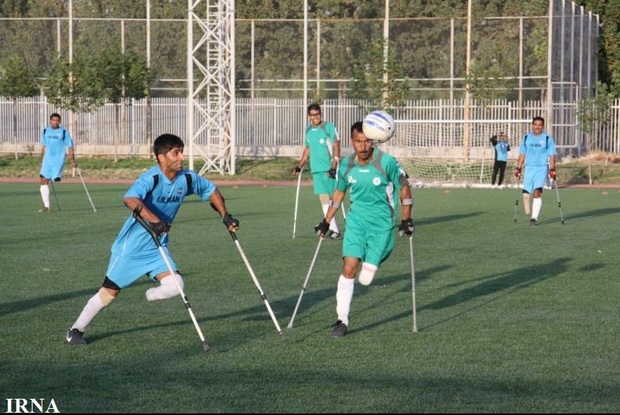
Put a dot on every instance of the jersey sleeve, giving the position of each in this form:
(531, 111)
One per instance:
(201, 186)
(333, 133)
(141, 187)
(68, 139)
(522, 148)
(551, 147)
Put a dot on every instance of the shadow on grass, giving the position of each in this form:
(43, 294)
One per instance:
(496, 286)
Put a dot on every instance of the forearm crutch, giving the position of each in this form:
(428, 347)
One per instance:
(145, 225)
(303, 289)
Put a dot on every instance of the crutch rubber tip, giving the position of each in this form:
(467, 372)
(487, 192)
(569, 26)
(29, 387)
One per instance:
(282, 336)
(205, 347)
(290, 325)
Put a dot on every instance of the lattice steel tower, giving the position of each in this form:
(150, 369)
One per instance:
(211, 84)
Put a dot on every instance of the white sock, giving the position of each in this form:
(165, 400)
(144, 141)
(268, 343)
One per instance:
(45, 194)
(90, 310)
(536, 206)
(167, 288)
(344, 294)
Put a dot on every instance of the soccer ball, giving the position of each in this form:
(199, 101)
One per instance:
(379, 126)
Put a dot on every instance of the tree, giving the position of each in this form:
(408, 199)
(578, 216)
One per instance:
(122, 77)
(17, 80)
(369, 69)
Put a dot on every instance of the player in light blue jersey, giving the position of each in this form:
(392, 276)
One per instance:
(322, 148)
(501, 149)
(56, 142)
(375, 182)
(160, 191)
(537, 155)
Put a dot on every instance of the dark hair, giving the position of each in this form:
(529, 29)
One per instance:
(539, 118)
(55, 115)
(315, 107)
(166, 142)
(357, 126)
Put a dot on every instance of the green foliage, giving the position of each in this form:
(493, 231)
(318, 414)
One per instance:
(594, 111)
(75, 86)
(369, 70)
(122, 75)
(17, 79)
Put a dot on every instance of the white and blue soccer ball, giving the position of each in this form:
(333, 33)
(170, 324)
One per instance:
(379, 126)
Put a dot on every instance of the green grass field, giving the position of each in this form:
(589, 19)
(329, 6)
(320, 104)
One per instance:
(511, 317)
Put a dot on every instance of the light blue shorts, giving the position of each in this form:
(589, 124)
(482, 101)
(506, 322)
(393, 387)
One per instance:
(124, 270)
(534, 178)
(369, 246)
(323, 184)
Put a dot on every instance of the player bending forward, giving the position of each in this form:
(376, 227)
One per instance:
(160, 191)
(373, 178)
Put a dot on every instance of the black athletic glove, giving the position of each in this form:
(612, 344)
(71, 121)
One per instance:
(297, 169)
(322, 228)
(331, 173)
(406, 227)
(160, 227)
(230, 221)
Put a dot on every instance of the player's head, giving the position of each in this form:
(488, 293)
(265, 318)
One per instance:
(314, 112)
(538, 123)
(166, 142)
(502, 136)
(362, 146)
(55, 120)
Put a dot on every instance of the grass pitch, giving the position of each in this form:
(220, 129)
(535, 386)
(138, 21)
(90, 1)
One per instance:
(511, 317)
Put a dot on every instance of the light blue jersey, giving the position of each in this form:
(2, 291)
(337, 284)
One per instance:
(56, 142)
(164, 199)
(537, 149)
(134, 253)
(501, 150)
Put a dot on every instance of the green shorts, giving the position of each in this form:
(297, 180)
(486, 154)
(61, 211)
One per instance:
(323, 184)
(370, 246)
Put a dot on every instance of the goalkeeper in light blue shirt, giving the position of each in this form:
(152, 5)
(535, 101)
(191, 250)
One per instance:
(160, 192)
(376, 183)
(537, 155)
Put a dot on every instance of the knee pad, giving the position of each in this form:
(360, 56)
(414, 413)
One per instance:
(105, 297)
(167, 288)
(367, 273)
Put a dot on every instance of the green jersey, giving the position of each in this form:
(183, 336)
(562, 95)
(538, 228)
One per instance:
(374, 190)
(320, 140)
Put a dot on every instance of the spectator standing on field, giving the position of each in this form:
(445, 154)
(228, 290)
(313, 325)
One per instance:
(322, 148)
(501, 149)
(160, 191)
(373, 178)
(537, 155)
(56, 142)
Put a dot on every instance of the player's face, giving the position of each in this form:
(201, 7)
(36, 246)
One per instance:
(362, 146)
(537, 127)
(54, 122)
(173, 160)
(315, 117)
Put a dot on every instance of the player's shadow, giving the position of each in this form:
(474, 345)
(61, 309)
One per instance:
(491, 287)
(593, 213)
